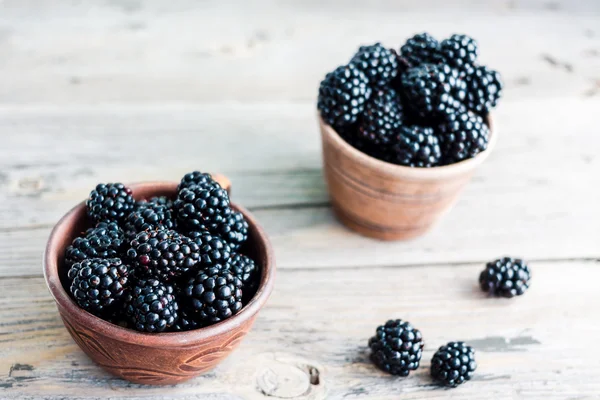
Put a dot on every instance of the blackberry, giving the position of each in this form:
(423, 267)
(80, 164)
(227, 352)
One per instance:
(453, 364)
(109, 202)
(420, 49)
(459, 51)
(213, 295)
(163, 254)
(185, 322)
(415, 146)
(214, 251)
(246, 270)
(342, 95)
(351, 135)
(382, 118)
(98, 284)
(506, 277)
(397, 347)
(463, 135)
(103, 241)
(151, 306)
(149, 215)
(433, 90)
(484, 88)
(195, 178)
(234, 230)
(202, 207)
(379, 64)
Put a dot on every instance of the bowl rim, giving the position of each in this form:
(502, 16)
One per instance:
(163, 339)
(395, 170)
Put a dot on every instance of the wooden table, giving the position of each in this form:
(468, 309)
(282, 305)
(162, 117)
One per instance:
(132, 90)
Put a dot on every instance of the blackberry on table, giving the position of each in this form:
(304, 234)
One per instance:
(214, 251)
(148, 215)
(484, 88)
(196, 178)
(103, 241)
(420, 49)
(459, 51)
(342, 95)
(246, 270)
(379, 64)
(234, 230)
(415, 146)
(506, 277)
(453, 364)
(463, 135)
(433, 90)
(382, 118)
(98, 284)
(213, 295)
(109, 202)
(151, 306)
(202, 207)
(397, 347)
(163, 254)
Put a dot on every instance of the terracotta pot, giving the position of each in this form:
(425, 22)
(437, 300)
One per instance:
(388, 201)
(159, 358)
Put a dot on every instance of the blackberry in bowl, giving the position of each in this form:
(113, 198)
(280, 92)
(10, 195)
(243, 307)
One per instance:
(164, 341)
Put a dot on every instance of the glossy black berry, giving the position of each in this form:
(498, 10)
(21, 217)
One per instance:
(459, 51)
(506, 277)
(415, 146)
(213, 295)
(214, 251)
(186, 322)
(463, 135)
(202, 207)
(104, 241)
(453, 364)
(433, 90)
(378, 63)
(234, 229)
(420, 49)
(196, 178)
(109, 202)
(397, 347)
(150, 215)
(381, 119)
(98, 285)
(246, 270)
(343, 95)
(484, 88)
(151, 306)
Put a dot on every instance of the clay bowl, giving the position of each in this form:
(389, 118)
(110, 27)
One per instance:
(160, 358)
(388, 201)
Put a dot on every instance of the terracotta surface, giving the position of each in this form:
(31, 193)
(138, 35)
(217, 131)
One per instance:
(388, 201)
(163, 358)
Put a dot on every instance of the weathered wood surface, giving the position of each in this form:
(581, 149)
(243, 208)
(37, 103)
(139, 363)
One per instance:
(134, 90)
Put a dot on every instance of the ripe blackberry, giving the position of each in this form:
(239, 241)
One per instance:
(149, 215)
(459, 51)
(186, 322)
(484, 88)
(103, 241)
(234, 230)
(453, 364)
(379, 64)
(195, 178)
(382, 118)
(213, 295)
(463, 135)
(214, 251)
(151, 306)
(163, 254)
(246, 270)
(202, 207)
(109, 202)
(342, 95)
(506, 277)
(420, 49)
(98, 284)
(415, 146)
(433, 90)
(351, 135)
(397, 347)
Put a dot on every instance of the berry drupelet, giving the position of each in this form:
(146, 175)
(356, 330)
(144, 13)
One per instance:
(151, 306)
(453, 364)
(506, 277)
(378, 63)
(415, 146)
(420, 49)
(484, 88)
(460, 52)
(213, 295)
(397, 347)
(234, 230)
(463, 135)
(202, 207)
(103, 241)
(342, 96)
(245, 269)
(381, 119)
(98, 285)
(110, 202)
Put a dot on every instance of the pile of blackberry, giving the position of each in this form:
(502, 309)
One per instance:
(423, 106)
(162, 264)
